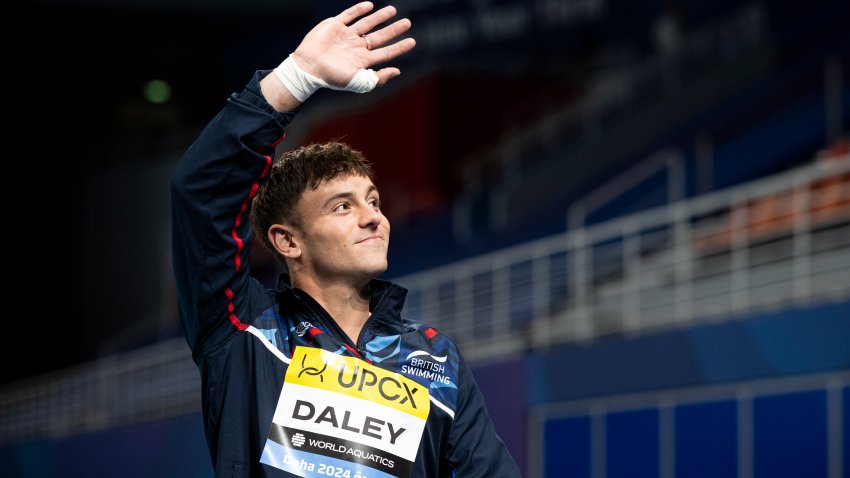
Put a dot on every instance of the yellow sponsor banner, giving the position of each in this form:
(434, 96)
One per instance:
(313, 367)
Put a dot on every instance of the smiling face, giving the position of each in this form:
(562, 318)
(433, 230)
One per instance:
(343, 235)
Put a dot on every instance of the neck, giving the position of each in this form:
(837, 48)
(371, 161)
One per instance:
(347, 304)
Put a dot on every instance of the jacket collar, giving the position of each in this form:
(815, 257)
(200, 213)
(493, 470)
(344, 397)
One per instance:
(386, 300)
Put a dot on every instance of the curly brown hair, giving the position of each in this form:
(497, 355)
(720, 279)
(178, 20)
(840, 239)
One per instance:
(292, 173)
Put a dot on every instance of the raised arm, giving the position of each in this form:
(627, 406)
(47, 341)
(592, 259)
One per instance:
(218, 176)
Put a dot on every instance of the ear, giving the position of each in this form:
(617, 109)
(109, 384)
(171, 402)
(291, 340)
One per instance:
(284, 241)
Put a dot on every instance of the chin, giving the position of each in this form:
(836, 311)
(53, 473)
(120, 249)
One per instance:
(379, 270)
(374, 270)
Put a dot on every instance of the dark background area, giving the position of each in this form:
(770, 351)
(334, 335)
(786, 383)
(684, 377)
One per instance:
(80, 108)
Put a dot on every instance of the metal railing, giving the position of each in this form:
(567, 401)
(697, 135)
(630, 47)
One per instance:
(771, 243)
(158, 381)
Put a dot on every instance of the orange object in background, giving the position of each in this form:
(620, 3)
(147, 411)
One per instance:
(776, 214)
(830, 198)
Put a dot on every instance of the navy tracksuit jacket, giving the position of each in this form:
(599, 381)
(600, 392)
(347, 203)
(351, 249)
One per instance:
(285, 391)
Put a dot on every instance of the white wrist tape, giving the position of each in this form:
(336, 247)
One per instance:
(302, 84)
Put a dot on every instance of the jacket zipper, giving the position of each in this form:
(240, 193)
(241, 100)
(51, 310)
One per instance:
(325, 317)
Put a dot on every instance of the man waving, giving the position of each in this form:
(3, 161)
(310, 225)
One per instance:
(323, 375)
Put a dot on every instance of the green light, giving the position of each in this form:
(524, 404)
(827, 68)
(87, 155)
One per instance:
(157, 91)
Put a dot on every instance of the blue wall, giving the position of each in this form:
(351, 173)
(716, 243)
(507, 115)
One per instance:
(787, 437)
(790, 342)
(611, 395)
(166, 448)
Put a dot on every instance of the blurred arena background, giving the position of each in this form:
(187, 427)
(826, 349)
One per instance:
(633, 217)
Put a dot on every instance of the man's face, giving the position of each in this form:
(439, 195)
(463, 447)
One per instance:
(343, 232)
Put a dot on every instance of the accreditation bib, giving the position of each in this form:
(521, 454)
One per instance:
(343, 417)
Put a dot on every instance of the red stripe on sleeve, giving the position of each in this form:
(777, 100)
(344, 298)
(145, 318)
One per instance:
(240, 244)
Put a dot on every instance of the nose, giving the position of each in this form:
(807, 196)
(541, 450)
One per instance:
(371, 217)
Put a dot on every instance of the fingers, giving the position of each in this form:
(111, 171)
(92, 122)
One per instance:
(388, 33)
(352, 13)
(366, 24)
(390, 52)
(379, 43)
(386, 74)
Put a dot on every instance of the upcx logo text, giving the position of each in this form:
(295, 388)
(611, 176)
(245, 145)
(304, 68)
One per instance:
(389, 388)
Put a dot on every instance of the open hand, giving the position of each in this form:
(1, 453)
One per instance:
(335, 50)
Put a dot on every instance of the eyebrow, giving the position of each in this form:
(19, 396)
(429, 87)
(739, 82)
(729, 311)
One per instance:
(347, 194)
